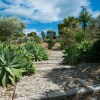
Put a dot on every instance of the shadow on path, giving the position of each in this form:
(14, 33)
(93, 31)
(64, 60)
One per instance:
(69, 78)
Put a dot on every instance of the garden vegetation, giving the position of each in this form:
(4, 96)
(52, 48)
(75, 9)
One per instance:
(17, 59)
(79, 38)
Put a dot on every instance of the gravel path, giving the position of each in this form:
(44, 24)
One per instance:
(51, 76)
(91, 69)
(50, 80)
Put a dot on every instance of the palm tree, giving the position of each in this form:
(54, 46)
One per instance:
(71, 22)
(84, 19)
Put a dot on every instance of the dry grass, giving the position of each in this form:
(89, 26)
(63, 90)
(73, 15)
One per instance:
(44, 45)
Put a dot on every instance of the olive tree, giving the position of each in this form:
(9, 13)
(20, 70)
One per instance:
(9, 26)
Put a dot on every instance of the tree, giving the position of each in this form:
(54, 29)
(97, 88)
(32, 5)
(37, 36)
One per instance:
(51, 34)
(9, 26)
(67, 31)
(69, 23)
(43, 35)
(54, 35)
(20, 35)
(84, 18)
(67, 38)
(51, 38)
(34, 36)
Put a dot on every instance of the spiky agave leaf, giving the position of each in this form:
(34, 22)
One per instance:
(11, 65)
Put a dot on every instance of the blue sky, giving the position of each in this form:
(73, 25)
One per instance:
(41, 15)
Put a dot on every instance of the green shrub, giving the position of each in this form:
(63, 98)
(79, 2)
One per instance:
(27, 55)
(13, 64)
(51, 43)
(79, 36)
(36, 51)
(94, 52)
(71, 55)
(20, 40)
(42, 54)
(77, 52)
(67, 38)
(84, 46)
(35, 37)
(17, 60)
(29, 67)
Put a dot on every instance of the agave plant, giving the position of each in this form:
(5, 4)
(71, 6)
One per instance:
(84, 46)
(71, 55)
(25, 53)
(27, 57)
(11, 65)
(36, 51)
(29, 67)
(42, 54)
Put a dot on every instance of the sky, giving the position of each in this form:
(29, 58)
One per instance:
(42, 15)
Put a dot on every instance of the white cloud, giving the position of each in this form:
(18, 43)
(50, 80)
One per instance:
(95, 13)
(44, 10)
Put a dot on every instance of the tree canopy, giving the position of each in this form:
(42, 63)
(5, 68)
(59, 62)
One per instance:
(9, 26)
(84, 19)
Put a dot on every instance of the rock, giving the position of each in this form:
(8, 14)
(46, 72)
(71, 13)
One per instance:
(21, 98)
(57, 95)
(38, 97)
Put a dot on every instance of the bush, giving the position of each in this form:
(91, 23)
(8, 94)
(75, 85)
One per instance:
(71, 55)
(41, 53)
(79, 36)
(36, 51)
(94, 52)
(76, 53)
(67, 38)
(29, 67)
(84, 46)
(51, 43)
(20, 40)
(35, 37)
(13, 64)
(18, 60)
(70, 37)
(27, 55)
